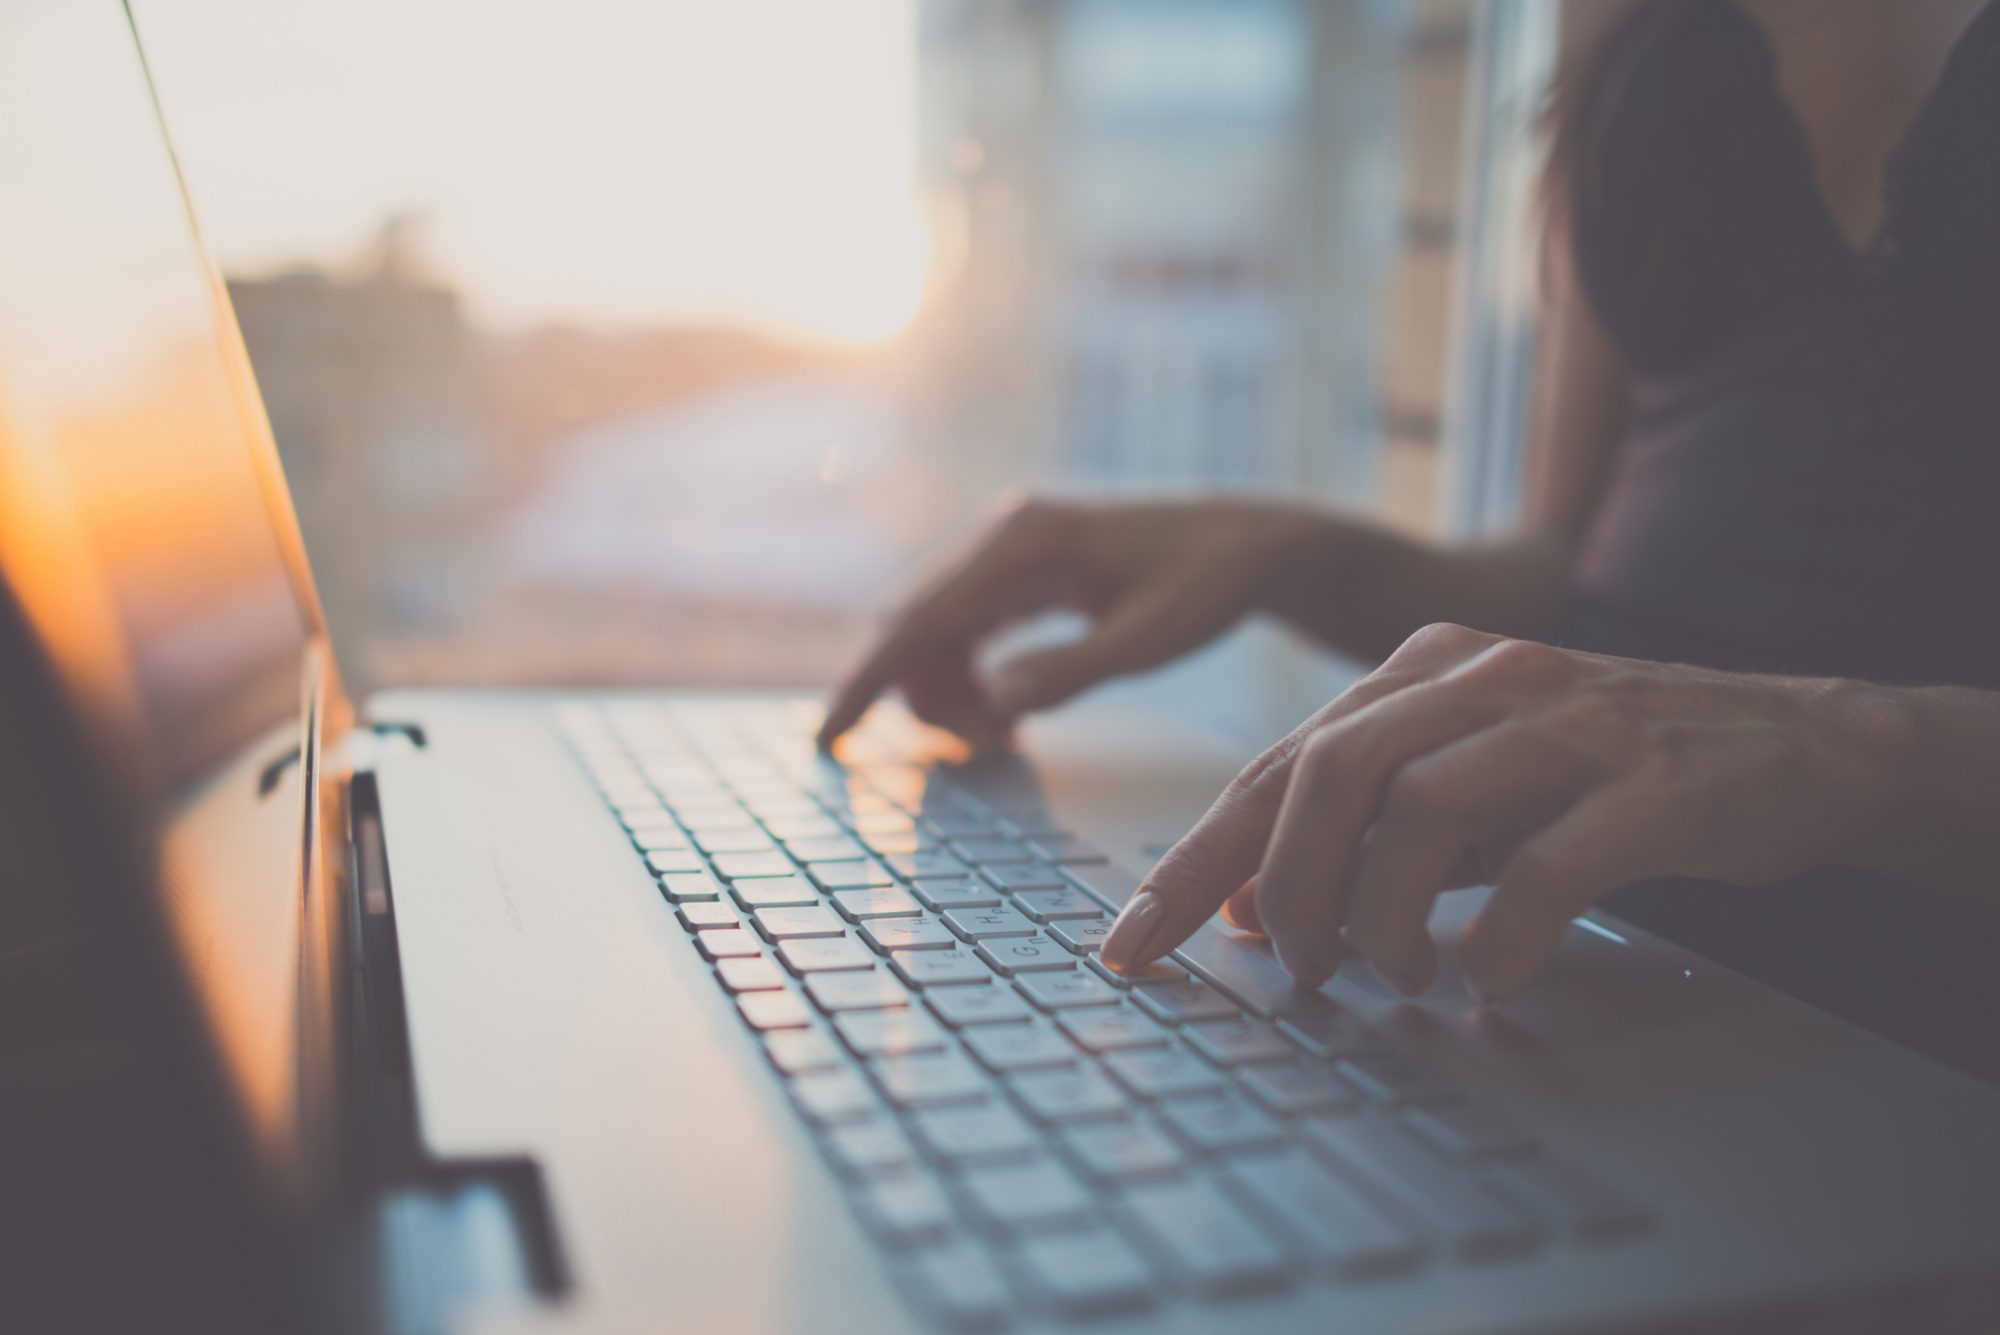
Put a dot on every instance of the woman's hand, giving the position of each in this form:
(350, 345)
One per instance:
(1158, 579)
(1557, 776)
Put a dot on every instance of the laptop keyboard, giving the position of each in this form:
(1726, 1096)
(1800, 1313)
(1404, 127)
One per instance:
(1030, 1133)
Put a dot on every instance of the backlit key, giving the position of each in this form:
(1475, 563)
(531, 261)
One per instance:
(925, 1079)
(1015, 1047)
(1024, 955)
(773, 1010)
(814, 955)
(892, 934)
(985, 924)
(944, 894)
(939, 968)
(854, 990)
(785, 924)
(727, 944)
(775, 892)
(962, 1006)
(855, 905)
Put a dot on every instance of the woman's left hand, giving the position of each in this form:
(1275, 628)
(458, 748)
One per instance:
(1468, 759)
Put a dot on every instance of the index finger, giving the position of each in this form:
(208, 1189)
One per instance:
(1226, 846)
(992, 584)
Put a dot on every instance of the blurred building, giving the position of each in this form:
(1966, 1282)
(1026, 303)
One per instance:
(367, 373)
(1192, 242)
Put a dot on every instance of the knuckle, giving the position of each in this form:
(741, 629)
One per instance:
(1526, 662)
(1326, 753)
(1439, 637)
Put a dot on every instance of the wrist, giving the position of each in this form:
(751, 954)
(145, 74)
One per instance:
(1932, 757)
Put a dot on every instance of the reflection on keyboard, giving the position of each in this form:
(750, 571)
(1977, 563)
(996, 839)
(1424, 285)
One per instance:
(1028, 1130)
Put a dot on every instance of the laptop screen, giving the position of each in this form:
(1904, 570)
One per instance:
(144, 524)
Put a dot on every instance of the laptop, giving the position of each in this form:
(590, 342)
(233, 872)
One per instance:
(520, 1011)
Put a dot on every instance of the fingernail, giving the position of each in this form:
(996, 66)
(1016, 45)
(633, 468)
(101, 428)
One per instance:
(1125, 944)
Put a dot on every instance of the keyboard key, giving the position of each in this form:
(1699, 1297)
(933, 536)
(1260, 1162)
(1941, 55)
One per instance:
(1159, 971)
(1017, 1047)
(689, 887)
(1012, 877)
(1333, 1034)
(1322, 1213)
(796, 1051)
(884, 822)
(749, 975)
(907, 1210)
(746, 840)
(1090, 1274)
(892, 934)
(1180, 1002)
(985, 924)
(1395, 1079)
(817, 955)
(855, 905)
(1163, 1073)
(703, 916)
(963, 1286)
(785, 924)
(976, 1133)
(1031, 822)
(834, 849)
(1292, 1088)
(857, 874)
(865, 1149)
(941, 895)
(891, 843)
(1060, 991)
(939, 968)
(1049, 906)
(775, 892)
(1066, 849)
(720, 816)
(1104, 1030)
(1019, 1198)
(660, 839)
(927, 864)
(1238, 1042)
(1471, 1217)
(1575, 1200)
(988, 851)
(855, 990)
(1127, 1150)
(794, 824)
(671, 861)
(729, 944)
(749, 866)
(924, 1079)
(1083, 936)
(1206, 1240)
(962, 1006)
(890, 1032)
(1025, 955)
(1469, 1131)
(1221, 1125)
(1068, 1095)
(832, 1097)
(773, 1010)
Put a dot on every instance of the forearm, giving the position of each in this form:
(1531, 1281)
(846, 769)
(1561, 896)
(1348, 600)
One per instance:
(1364, 590)
(1940, 766)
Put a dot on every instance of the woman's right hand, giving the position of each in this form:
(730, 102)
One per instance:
(1156, 578)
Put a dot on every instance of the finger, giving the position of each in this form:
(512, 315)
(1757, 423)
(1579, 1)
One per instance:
(1336, 789)
(1226, 845)
(1438, 812)
(997, 582)
(1616, 835)
(1171, 614)
(946, 695)
(1240, 909)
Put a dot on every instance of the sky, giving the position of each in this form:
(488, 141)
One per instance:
(602, 161)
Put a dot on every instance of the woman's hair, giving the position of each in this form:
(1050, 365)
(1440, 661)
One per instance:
(1566, 107)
